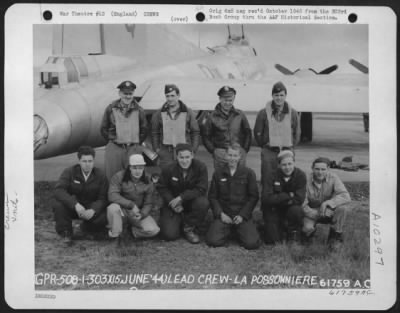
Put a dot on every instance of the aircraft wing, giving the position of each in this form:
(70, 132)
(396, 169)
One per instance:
(329, 93)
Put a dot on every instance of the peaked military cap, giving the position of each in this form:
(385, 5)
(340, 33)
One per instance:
(226, 91)
(171, 87)
(126, 86)
(278, 87)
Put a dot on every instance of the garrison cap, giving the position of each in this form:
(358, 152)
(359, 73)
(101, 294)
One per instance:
(183, 147)
(171, 87)
(226, 91)
(126, 86)
(278, 87)
(285, 154)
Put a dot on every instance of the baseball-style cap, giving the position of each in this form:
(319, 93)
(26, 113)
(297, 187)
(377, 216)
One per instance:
(136, 159)
(226, 91)
(126, 86)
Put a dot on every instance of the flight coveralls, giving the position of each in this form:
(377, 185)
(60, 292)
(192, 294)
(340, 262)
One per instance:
(275, 132)
(281, 211)
(221, 130)
(233, 195)
(192, 189)
(167, 131)
(332, 191)
(125, 129)
(124, 193)
(72, 188)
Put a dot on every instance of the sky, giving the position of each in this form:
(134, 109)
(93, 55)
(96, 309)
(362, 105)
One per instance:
(292, 45)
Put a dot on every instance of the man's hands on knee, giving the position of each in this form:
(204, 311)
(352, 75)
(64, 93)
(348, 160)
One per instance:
(83, 213)
(326, 210)
(135, 214)
(237, 220)
(176, 204)
(226, 219)
(88, 214)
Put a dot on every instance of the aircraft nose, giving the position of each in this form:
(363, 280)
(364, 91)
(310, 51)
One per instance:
(41, 132)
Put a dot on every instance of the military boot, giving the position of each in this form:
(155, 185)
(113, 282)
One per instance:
(190, 235)
(335, 241)
(66, 238)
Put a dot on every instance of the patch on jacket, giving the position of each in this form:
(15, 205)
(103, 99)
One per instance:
(175, 179)
(77, 181)
(223, 179)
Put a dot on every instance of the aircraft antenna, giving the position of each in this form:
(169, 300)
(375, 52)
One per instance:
(62, 39)
(102, 41)
(229, 32)
(242, 31)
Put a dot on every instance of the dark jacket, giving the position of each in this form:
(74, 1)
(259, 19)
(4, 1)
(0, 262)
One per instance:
(261, 126)
(221, 130)
(71, 188)
(127, 194)
(172, 184)
(192, 127)
(108, 130)
(233, 195)
(276, 190)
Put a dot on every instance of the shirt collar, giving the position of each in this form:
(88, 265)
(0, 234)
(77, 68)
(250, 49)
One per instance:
(285, 108)
(131, 106)
(319, 183)
(181, 107)
(86, 177)
(218, 108)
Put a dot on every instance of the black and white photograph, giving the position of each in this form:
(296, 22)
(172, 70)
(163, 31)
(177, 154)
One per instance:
(225, 156)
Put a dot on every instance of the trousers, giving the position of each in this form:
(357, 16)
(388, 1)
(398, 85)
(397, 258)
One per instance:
(193, 214)
(166, 155)
(311, 218)
(64, 216)
(116, 157)
(219, 232)
(117, 216)
(280, 219)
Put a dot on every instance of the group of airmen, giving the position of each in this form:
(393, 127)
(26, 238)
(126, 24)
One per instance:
(122, 197)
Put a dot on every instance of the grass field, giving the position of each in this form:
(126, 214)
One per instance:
(157, 264)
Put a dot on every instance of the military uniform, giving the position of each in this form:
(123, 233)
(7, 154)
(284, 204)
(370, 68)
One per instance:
(233, 195)
(169, 130)
(275, 132)
(72, 188)
(332, 191)
(221, 130)
(125, 129)
(281, 211)
(192, 189)
(124, 193)
(276, 129)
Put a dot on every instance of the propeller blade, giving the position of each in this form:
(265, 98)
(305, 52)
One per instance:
(361, 67)
(329, 70)
(312, 70)
(283, 69)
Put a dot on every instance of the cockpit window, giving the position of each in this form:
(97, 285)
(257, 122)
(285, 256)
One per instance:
(60, 71)
(49, 79)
